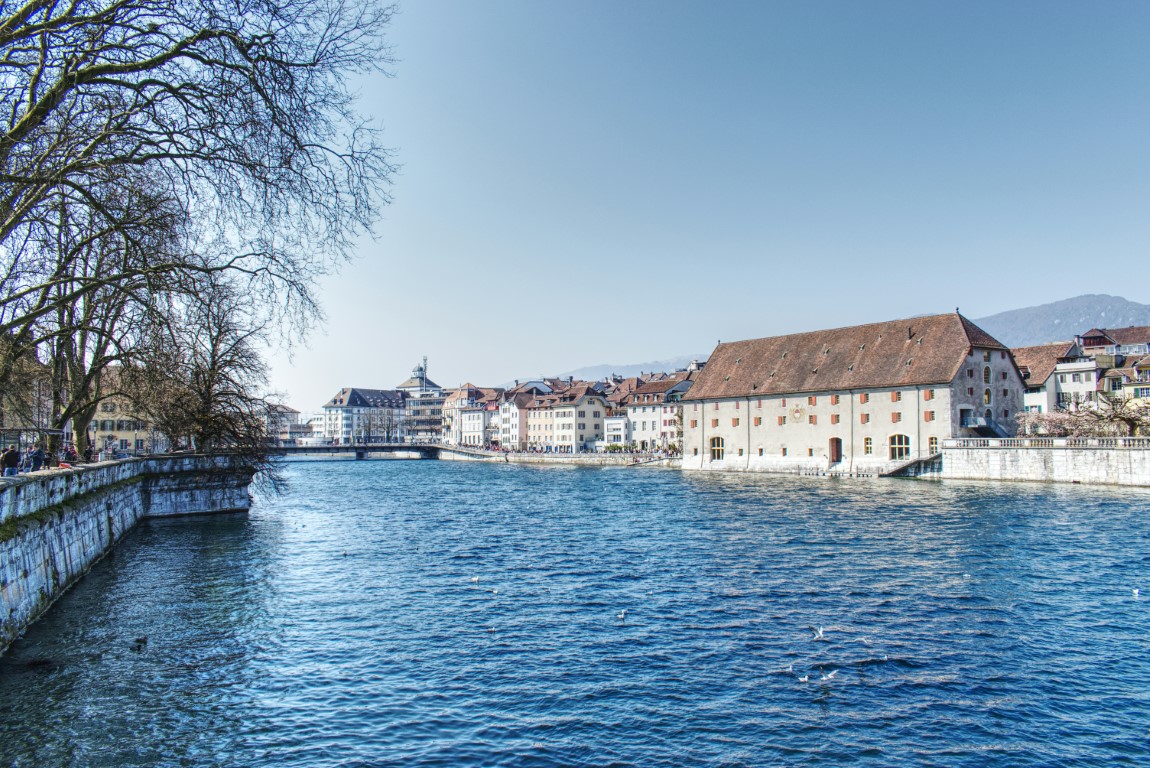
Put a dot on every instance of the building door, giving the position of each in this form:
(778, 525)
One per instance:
(836, 450)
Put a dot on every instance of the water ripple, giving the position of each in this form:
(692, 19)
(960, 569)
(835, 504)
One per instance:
(427, 613)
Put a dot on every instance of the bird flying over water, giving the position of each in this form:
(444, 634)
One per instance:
(830, 675)
(817, 632)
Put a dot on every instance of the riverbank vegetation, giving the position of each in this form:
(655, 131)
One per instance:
(174, 177)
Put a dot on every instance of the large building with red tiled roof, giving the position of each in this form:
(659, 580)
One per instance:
(862, 398)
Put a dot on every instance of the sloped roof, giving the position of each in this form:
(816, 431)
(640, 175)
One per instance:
(1040, 360)
(1135, 334)
(414, 382)
(896, 353)
(356, 397)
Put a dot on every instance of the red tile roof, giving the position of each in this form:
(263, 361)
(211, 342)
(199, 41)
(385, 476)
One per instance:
(1039, 362)
(896, 353)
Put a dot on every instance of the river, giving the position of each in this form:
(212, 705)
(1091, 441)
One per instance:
(426, 613)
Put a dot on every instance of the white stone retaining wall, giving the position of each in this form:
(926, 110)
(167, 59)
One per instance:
(55, 524)
(1111, 461)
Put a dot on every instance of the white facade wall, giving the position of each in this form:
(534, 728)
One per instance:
(540, 428)
(579, 425)
(1041, 399)
(645, 421)
(617, 430)
(472, 425)
(345, 425)
(793, 433)
(512, 427)
(876, 428)
(1075, 384)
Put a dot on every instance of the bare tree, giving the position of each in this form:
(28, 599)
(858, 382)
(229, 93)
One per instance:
(1118, 415)
(237, 115)
(201, 380)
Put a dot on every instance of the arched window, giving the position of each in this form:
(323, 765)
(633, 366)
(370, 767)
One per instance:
(716, 449)
(986, 374)
(986, 397)
(899, 446)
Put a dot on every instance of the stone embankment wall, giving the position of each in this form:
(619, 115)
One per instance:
(1113, 461)
(591, 460)
(55, 524)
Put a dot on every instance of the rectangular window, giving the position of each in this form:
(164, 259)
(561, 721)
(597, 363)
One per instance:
(810, 451)
(834, 418)
(758, 421)
(864, 418)
(928, 415)
(736, 405)
(759, 404)
(970, 373)
(784, 451)
(782, 420)
(970, 391)
(928, 394)
(864, 398)
(834, 399)
(740, 451)
(1076, 377)
(1006, 393)
(932, 445)
(582, 414)
(760, 451)
(716, 406)
(714, 422)
(812, 419)
(896, 417)
(734, 422)
(895, 397)
(783, 402)
(812, 400)
(1005, 414)
(868, 446)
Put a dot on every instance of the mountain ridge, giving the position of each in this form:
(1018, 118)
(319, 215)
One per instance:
(1027, 326)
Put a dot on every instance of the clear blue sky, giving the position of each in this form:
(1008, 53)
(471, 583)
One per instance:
(606, 182)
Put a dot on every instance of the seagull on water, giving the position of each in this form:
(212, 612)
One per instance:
(805, 679)
(474, 579)
(1136, 593)
(622, 615)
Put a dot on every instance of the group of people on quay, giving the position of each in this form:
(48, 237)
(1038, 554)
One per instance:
(13, 461)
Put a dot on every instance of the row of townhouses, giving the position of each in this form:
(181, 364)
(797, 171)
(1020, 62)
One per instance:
(862, 398)
(548, 415)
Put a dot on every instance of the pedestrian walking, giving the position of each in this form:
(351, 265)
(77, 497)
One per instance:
(10, 461)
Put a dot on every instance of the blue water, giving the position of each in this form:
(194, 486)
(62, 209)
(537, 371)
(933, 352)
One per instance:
(341, 625)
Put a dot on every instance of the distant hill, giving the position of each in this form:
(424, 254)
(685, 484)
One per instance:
(1061, 320)
(597, 372)
(1057, 321)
